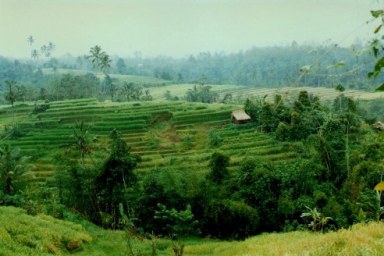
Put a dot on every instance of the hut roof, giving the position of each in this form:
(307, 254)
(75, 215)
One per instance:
(240, 115)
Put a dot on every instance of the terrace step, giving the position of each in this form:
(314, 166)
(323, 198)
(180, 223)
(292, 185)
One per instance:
(142, 125)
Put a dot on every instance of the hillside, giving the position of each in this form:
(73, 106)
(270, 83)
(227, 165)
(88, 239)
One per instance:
(361, 239)
(165, 134)
(180, 145)
(174, 135)
(23, 234)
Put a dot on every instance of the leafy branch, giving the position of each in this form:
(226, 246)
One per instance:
(377, 47)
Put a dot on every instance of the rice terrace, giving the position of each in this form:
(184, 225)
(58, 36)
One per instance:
(158, 128)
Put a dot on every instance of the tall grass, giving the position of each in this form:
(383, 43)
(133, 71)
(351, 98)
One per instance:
(361, 239)
(21, 234)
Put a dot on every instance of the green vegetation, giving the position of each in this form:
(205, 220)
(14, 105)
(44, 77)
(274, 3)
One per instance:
(152, 165)
(377, 47)
(23, 234)
(233, 180)
(362, 239)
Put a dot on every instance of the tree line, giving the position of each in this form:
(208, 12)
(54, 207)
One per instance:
(305, 65)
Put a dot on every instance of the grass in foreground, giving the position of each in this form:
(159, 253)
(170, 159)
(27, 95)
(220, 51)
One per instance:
(21, 234)
(360, 239)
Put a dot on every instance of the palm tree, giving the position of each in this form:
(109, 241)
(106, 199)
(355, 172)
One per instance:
(95, 56)
(100, 59)
(44, 50)
(340, 88)
(35, 54)
(79, 61)
(316, 218)
(105, 62)
(11, 95)
(30, 40)
(81, 141)
(51, 46)
(12, 169)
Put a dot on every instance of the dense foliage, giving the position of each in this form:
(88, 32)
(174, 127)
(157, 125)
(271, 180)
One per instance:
(338, 162)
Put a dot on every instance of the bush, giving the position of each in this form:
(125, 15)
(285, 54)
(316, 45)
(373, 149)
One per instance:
(13, 132)
(39, 108)
(175, 223)
(219, 164)
(187, 142)
(215, 140)
(230, 219)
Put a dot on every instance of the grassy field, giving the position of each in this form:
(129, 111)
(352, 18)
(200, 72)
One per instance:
(22, 234)
(240, 93)
(361, 239)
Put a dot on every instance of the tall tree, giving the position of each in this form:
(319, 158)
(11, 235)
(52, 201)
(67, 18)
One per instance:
(35, 54)
(219, 164)
(11, 95)
(116, 176)
(44, 50)
(51, 46)
(377, 46)
(105, 63)
(121, 67)
(100, 59)
(12, 170)
(30, 40)
(81, 140)
(95, 54)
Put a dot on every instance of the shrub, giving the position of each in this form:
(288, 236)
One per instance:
(39, 108)
(175, 223)
(187, 141)
(219, 164)
(230, 219)
(215, 140)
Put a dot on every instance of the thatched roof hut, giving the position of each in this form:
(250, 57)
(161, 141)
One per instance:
(240, 117)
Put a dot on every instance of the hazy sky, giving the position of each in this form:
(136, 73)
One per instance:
(178, 27)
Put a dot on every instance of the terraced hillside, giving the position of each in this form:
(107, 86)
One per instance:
(178, 136)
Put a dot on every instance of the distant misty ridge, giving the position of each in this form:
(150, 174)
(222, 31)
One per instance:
(306, 65)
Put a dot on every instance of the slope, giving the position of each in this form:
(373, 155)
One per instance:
(174, 135)
(22, 234)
